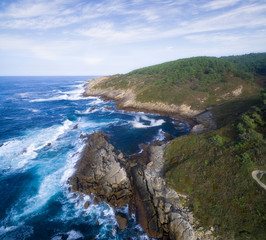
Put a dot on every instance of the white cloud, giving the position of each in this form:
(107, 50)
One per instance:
(106, 31)
(217, 4)
(93, 33)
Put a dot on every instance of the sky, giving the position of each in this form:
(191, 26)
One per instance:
(104, 37)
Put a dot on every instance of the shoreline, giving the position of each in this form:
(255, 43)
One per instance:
(199, 120)
(202, 121)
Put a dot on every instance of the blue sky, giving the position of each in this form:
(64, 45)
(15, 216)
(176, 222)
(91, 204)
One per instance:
(102, 37)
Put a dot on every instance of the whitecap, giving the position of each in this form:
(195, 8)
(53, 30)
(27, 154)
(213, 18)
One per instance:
(160, 135)
(87, 111)
(4, 230)
(96, 102)
(16, 153)
(73, 235)
(72, 95)
(137, 123)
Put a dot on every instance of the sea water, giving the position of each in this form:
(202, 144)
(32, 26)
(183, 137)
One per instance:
(41, 120)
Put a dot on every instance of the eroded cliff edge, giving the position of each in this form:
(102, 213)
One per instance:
(200, 120)
(137, 181)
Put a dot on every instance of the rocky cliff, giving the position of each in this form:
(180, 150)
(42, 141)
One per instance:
(117, 180)
(99, 171)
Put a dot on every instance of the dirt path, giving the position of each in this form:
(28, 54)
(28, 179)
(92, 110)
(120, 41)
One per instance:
(254, 175)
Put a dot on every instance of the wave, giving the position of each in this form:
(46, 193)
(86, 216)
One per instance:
(15, 154)
(87, 111)
(52, 183)
(96, 102)
(145, 122)
(160, 136)
(72, 95)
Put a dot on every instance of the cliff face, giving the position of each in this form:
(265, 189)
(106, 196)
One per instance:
(126, 99)
(116, 180)
(100, 172)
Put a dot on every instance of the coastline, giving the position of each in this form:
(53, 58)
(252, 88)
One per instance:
(147, 167)
(199, 120)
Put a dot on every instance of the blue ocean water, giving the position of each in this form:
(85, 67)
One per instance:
(41, 120)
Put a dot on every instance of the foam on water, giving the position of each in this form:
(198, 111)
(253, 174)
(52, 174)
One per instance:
(146, 122)
(42, 155)
(87, 111)
(17, 153)
(72, 95)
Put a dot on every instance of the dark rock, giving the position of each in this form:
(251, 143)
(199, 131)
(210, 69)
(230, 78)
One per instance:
(75, 195)
(86, 204)
(146, 212)
(84, 135)
(122, 220)
(75, 127)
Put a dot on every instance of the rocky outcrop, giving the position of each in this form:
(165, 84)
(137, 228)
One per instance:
(99, 171)
(164, 217)
(205, 122)
(118, 180)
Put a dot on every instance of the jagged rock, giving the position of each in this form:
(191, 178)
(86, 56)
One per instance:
(99, 172)
(122, 220)
(75, 127)
(111, 178)
(86, 205)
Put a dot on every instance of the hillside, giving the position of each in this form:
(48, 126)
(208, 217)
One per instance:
(215, 170)
(197, 82)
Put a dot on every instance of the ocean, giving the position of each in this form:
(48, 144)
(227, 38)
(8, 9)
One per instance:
(41, 121)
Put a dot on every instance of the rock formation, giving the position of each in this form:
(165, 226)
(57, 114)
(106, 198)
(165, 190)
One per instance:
(100, 172)
(165, 217)
(116, 180)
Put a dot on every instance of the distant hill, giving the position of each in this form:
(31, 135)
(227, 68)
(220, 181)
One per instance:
(199, 82)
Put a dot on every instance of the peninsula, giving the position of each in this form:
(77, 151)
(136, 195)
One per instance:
(198, 186)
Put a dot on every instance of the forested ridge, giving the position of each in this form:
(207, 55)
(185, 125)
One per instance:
(198, 81)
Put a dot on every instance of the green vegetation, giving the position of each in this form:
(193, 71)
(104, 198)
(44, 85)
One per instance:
(249, 63)
(199, 81)
(215, 168)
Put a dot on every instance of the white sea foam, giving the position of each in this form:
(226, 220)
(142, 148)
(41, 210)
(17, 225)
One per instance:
(87, 111)
(96, 102)
(75, 94)
(73, 235)
(137, 123)
(15, 154)
(56, 238)
(69, 168)
(160, 136)
(4, 230)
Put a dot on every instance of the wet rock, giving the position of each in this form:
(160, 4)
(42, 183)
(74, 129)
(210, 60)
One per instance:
(100, 172)
(75, 127)
(86, 204)
(122, 220)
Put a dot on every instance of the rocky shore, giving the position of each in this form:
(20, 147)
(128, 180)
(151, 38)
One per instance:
(199, 120)
(138, 181)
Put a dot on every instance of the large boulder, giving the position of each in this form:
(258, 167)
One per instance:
(100, 172)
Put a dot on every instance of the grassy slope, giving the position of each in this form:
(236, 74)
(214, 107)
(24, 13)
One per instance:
(214, 169)
(199, 81)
